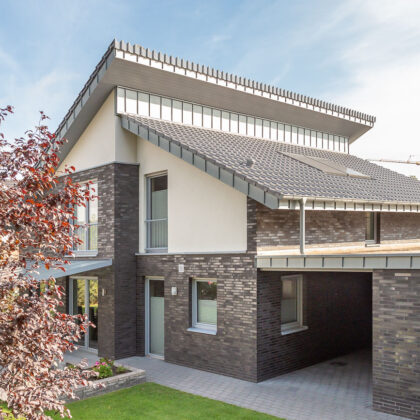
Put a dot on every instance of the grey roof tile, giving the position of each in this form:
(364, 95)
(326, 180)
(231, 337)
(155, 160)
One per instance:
(284, 175)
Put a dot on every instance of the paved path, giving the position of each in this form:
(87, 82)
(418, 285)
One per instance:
(321, 392)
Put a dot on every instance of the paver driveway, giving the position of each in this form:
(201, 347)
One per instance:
(339, 389)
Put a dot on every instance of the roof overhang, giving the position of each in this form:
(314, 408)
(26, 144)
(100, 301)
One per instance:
(356, 262)
(252, 189)
(75, 267)
(319, 203)
(138, 68)
(242, 184)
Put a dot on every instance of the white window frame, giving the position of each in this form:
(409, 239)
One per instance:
(298, 324)
(148, 219)
(200, 326)
(86, 240)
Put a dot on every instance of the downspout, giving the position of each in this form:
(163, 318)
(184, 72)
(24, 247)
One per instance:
(302, 203)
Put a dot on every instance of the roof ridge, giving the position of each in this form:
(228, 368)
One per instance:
(229, 77)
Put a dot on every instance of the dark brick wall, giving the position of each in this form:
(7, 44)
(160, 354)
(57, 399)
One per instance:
(396, 342)
(232, 351)
(105, 177)
(281, 227)
(118, 233)
(125, 247)
(337, 310)
(400, 226)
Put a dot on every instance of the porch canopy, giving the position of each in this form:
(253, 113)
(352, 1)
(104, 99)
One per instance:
(75, 267)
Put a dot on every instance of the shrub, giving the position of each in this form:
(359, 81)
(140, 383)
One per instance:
(104, 368)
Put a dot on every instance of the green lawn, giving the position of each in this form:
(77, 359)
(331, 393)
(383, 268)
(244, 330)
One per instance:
(153, 401)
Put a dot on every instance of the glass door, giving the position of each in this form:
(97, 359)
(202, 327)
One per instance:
(93, 313)
(156, 315)
(83, 299)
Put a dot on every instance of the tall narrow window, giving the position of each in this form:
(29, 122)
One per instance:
(204, 304)
(291, 302)
(87, 219)
(371, 233)
(157, 213)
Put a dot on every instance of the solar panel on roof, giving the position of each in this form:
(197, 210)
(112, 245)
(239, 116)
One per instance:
(325, 165)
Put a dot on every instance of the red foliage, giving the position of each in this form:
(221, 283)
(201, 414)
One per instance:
(35, 210)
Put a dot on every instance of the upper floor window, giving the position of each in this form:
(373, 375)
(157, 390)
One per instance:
(157, 214)
(372, 226)
(87, 218)
(291, 302)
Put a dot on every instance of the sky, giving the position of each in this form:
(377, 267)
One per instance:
(362, 54)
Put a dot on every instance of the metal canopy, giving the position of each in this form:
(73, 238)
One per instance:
(355, 262)
(75, 267)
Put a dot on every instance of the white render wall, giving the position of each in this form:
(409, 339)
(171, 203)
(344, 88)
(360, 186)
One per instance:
(204, 215)
(103, 141)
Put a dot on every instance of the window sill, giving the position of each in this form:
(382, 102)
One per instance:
(371, 244)
(202, 331)
(85, 253)
(293, 330)
(156, 250)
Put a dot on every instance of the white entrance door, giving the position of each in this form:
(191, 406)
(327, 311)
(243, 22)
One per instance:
(83, 299)
(155, 314)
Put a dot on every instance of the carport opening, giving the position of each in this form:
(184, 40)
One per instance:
(326, 316)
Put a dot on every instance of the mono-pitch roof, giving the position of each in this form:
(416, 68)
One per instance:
(136, 67)
(272, 168)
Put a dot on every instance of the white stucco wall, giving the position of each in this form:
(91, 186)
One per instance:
(103, 141)
(204, 215)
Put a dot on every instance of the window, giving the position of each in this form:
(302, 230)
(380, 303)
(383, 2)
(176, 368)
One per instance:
(204, 304)
(87, 219)
(291, 302)
(157, 214)
(372, 222)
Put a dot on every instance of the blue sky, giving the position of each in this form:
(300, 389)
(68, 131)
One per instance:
(360, 54)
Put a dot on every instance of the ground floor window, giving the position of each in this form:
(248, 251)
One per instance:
(83, 300)
(291, 302)
(204, 304)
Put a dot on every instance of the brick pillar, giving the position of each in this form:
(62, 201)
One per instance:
(396, 342)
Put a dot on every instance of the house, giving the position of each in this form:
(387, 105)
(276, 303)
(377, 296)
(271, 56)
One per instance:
(234, 231)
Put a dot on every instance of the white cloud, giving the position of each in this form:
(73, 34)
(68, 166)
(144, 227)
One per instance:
(383, 65)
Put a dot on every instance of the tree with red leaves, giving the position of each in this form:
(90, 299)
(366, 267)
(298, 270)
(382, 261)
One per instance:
(36, 211)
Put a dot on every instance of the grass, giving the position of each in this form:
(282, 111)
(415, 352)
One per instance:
(152, 401)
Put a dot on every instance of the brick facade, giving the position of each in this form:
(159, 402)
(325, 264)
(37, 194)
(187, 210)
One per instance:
(280, 228)
(118, 233)
(396, 342)
(232, 351)
(400, 227)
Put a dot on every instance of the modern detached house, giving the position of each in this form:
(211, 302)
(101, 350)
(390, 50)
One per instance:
(234, 231)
